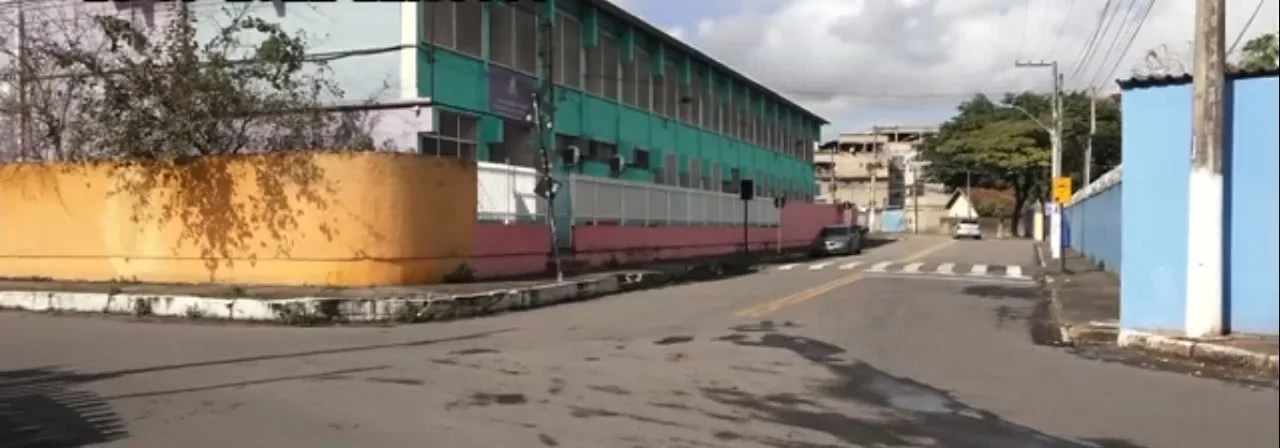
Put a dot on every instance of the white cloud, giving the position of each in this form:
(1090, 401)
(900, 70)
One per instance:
(855, 60)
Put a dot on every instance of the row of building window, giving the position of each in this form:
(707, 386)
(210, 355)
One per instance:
(457, 135)
(600, 71)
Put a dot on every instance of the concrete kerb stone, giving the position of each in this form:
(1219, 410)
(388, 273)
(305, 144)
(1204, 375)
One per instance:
(1068, 333)
(1204, 351)
(320, 310)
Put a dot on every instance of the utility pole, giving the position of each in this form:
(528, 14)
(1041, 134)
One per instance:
(915, 195)
(1204, 312)
(1055, 217)
(543, 113)
(1093, 129)
(874, 166)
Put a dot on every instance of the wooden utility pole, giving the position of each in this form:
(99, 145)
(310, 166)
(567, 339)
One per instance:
(1204, 295)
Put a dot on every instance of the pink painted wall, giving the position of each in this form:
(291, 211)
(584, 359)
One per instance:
(626, 244)
(504, 250)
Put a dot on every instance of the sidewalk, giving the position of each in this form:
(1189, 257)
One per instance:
(315, 305)
(1085, 305)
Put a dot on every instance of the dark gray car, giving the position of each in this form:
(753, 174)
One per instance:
(838, 240)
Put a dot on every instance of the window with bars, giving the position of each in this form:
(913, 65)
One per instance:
(696, 100)
(568, 67)
(526, 37)
(643, 76)
(456, 26)
(454, 137)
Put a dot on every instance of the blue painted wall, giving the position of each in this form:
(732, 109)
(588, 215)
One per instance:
(1254, 207)
(1095, 227)
(1156, 133)
(892, 221)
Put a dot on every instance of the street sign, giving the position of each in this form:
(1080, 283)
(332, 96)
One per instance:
(1062, 189)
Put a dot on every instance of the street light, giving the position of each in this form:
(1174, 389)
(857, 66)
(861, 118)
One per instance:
(1032, 117)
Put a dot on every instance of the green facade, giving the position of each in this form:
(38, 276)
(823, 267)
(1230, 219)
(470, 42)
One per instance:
(461, 83)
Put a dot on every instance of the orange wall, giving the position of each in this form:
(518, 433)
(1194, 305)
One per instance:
(349, 218)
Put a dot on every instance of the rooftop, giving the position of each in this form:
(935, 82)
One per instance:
(1172, 79)
(609, 7)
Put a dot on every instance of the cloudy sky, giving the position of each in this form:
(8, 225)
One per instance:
(866, 62)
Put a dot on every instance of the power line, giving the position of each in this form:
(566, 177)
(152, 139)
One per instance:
(1247, 24)
(1139, 18)
(1146, 13)
(1053, 49)
(1026, 24)
(1104, 21)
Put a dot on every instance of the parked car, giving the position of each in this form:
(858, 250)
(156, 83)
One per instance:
(967, 228)
(838, 240)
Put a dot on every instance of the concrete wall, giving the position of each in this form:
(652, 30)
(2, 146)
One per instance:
(506, 250)
(600, 244)
(301, 218)
(1156, 132)
(1157, 145)
(1253, 213)
(1094, 221)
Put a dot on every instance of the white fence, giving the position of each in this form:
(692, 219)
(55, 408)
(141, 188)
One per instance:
(505, 193)
(646, 204)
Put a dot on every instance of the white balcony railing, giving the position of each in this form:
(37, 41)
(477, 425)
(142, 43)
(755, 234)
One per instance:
(505, 194)
(645, 204)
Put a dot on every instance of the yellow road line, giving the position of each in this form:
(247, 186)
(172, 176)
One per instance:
(816, 291)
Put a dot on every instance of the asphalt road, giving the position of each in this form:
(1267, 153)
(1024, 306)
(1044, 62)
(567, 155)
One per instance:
(795, 359)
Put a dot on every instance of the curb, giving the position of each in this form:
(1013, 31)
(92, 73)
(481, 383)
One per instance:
(361, 310)
(1199, 351)
(1051, 294)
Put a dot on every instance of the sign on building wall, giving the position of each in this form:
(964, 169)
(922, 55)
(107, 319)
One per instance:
(511, 93)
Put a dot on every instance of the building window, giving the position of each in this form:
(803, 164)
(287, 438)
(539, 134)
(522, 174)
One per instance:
(671, 90)
(643, 74)
(601, 151)
(502, 35)
(695, 173)
(696, 97)
(593, 72)
(641, 157)
(609, 66)
(722, 117)
(454, 137)
(526, 34)
(660, 86)
(568, 70)
(669, 165)
(455, 25)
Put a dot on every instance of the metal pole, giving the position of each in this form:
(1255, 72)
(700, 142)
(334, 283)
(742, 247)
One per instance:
(746, 234)
(1204, 295)
(915, 197)
(875, 165)
(968, 191)
(543, 113)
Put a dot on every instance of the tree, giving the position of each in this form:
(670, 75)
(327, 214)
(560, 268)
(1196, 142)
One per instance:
(996, 145)
(1260, 53)
(167, 105)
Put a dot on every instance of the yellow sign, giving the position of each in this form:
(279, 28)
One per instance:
(1062, 189)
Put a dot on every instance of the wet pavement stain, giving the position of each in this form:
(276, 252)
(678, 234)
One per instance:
(547, 440)
(399, 381)
(557, 386)
(473, 351)
(610, 389)
(584, 413)
(669, 340)
(485, 399)
(914, 412)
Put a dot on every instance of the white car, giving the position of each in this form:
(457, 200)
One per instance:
(967, 228)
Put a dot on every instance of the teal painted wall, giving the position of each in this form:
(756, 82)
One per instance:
(460, 82)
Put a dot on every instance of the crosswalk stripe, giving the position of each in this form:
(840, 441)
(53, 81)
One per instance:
(912, 268)
(946, 268)
(1013, 271)
(880, 267)
(787, 267)
(978, 269)
(849, 266)
(815, 267)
